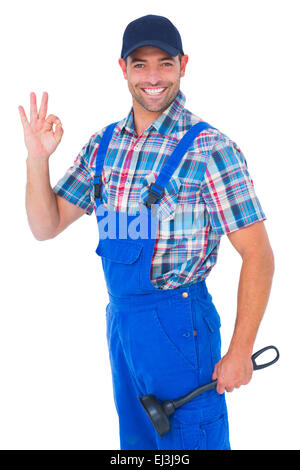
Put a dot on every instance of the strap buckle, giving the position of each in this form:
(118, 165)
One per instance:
(97, 187)
(154, 195)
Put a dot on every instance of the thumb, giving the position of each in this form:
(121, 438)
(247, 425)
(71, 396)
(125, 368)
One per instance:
(215, 373)
(58, 133)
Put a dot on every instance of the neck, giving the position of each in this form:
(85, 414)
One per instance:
(142, 117)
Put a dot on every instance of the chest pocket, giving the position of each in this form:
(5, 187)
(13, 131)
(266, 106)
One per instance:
(167, 204)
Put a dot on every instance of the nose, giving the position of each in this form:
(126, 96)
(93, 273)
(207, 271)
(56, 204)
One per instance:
(153, 76)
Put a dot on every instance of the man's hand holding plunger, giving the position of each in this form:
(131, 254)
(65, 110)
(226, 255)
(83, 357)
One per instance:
(232, 371)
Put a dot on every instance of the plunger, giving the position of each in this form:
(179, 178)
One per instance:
(159, 411)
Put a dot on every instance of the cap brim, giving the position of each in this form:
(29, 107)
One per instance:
(160, 45)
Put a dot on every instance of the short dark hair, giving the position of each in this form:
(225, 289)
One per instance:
(179, 56)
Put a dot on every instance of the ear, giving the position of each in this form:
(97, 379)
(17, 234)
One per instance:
(123, 67)
(184, 61)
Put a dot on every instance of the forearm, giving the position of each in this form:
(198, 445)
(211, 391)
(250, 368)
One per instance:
(253, 294)
(41, 205)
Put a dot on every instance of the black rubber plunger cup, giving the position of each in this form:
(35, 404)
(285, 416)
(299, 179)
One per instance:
(159, 412)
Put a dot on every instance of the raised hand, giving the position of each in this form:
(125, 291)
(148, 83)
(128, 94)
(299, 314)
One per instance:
(40, 138)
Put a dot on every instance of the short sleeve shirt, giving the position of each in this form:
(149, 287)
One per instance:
(210, 194)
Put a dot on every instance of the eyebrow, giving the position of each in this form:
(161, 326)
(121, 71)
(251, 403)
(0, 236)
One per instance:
(143, 60)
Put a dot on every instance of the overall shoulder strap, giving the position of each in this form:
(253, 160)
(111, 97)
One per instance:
(156, 189)
(101, 152)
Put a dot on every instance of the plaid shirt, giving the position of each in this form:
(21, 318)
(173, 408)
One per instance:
(210, 194)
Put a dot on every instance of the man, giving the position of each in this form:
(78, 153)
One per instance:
(162, 326)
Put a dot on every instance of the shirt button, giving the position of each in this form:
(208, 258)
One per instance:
(185, 295)
(137, 147)
(127, 184)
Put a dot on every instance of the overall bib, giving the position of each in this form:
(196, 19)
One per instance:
(161, 341)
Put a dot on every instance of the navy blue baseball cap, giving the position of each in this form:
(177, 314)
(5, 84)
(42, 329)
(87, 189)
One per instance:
(151, 30)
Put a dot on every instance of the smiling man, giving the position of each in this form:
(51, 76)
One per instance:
(153, 80)
(192, 184)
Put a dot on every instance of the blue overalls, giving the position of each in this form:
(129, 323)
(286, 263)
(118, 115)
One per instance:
(164, 342)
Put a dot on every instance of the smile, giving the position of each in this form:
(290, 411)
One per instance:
(154, 91)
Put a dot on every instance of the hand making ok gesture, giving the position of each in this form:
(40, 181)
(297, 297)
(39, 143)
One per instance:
(40, 138)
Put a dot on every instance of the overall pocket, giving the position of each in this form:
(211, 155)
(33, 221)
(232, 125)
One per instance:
(213, 323)
(207, 338)
(121, 265)
(156, 354)
(175, 326)
(214, 434)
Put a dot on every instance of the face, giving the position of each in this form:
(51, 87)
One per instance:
(153, 77)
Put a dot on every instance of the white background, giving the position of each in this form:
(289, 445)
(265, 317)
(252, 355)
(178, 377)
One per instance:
(242, 77)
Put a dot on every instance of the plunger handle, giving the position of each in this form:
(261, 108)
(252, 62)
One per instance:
(211, 385)
(194, 393)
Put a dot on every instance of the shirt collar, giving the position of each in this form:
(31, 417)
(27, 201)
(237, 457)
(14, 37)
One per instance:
(164, 123)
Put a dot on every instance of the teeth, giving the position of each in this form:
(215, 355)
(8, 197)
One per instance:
(152, 91)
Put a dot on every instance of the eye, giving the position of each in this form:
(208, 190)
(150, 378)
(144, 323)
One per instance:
(137, 66)
(168, 64)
